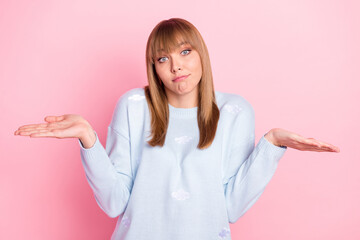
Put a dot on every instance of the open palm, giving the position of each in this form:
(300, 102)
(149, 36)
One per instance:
(64, 126)
(283, 137)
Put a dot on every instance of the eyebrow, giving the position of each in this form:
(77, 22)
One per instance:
(179, 45)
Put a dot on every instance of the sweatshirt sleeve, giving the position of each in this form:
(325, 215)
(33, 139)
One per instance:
(248, 169)
(108, 171)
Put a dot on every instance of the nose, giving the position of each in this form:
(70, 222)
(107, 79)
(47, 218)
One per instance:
(175, 65)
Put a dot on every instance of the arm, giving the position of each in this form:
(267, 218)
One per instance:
(249, 169)
(108, 171)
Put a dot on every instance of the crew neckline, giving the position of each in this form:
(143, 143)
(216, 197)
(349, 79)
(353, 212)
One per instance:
(182, 112)
(175, 112)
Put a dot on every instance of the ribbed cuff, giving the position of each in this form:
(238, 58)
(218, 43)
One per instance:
(271, 149)
(97, 142)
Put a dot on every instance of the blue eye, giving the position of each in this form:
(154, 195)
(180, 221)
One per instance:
(161, 59)
(187, 50)
(184, 52)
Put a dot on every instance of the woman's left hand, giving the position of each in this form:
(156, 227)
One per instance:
(282, 137)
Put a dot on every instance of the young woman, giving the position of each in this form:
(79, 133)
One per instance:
(180, 161)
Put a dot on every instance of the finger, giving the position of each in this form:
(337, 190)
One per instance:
(311, 142)
(327, 149)
(54, 118)
(42, 134)
(327, 146)
(41, 125)
(317, 149)
(311, 145)
(29, 132)
(335, 148)
(49, 133)
(22, 132)
(321, 145)
(310, 149)
(38, 127)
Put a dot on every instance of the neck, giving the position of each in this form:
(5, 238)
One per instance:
(188, 100)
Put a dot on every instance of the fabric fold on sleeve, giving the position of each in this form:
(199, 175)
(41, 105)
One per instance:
(108, 172)
(245, 187)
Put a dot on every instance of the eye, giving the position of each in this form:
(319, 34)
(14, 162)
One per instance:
(162, 59)
(186, 52)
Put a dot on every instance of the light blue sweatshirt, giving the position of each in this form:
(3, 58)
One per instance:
(178, 191)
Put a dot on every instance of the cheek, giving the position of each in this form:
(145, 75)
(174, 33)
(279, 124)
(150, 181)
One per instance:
(197, 66)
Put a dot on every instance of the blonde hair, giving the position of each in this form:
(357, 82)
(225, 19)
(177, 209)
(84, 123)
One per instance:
(166, 36)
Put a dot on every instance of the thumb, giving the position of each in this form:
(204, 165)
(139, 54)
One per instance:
(53, 118)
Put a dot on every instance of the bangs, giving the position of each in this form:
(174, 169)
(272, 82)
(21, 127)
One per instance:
(170, 36)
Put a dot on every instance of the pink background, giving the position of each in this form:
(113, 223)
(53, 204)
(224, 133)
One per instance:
(296, 62)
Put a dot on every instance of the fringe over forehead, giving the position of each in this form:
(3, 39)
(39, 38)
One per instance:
(169, 34)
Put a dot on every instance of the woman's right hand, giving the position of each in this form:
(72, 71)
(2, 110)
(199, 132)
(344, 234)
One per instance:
(64, 126)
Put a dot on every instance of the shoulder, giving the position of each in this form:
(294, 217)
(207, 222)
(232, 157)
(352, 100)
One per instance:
(234, 104)
(237, 118)
(128, 97)
(127, 102)
(133, 95)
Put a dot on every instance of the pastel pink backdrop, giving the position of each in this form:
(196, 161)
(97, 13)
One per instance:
(296, 62)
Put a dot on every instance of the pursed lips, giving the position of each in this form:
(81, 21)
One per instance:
(180, 78)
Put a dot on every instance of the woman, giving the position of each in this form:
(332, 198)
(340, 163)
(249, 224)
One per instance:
(180, 161)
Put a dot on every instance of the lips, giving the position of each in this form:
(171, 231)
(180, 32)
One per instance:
(180, 78)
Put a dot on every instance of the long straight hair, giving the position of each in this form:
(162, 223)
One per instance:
(166, 36)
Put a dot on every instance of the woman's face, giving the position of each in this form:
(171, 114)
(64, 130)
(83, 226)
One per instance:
(185, 63)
